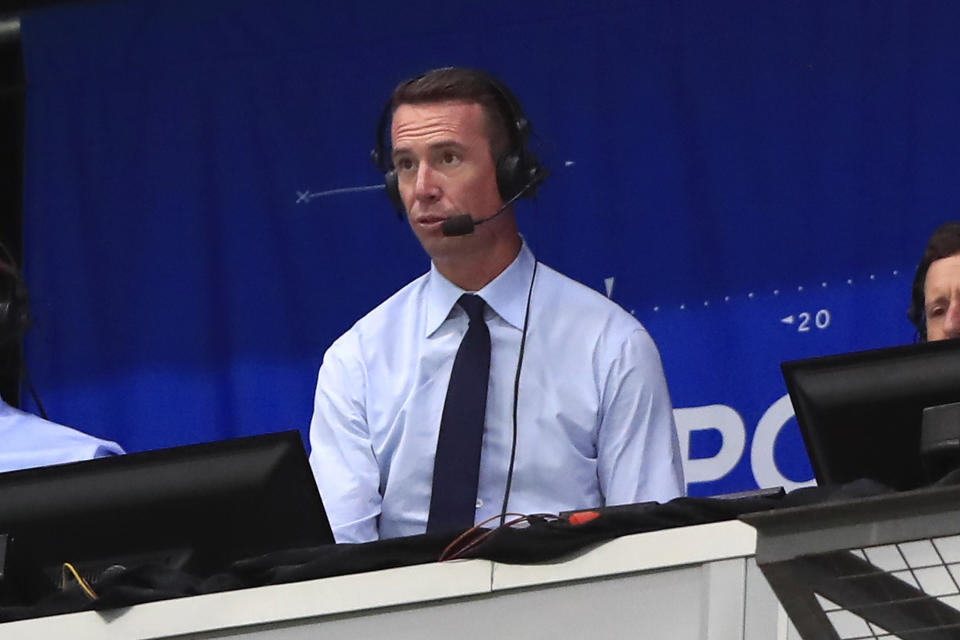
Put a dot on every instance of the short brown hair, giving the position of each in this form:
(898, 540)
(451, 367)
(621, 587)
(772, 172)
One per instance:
(456, 84)
(944, 242)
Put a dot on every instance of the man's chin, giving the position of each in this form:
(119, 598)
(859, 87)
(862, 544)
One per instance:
(445, 248)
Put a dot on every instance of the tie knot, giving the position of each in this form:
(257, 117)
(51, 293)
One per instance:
(473, 305)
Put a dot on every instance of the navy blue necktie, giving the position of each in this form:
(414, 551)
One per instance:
(456, 468)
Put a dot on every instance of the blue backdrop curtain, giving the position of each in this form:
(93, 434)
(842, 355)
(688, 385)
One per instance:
(753, 180)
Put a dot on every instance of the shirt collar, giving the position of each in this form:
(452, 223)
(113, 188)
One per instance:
(505, 294)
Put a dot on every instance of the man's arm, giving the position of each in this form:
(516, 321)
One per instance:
(341, 453)
(638, 452)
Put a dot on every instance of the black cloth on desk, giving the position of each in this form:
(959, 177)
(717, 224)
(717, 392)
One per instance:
(547, 540)
(542, 541)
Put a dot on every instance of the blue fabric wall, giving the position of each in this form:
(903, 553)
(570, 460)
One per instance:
(754, 180)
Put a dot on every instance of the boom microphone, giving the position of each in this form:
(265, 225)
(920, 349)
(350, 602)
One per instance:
(459, 225)
(463, 223)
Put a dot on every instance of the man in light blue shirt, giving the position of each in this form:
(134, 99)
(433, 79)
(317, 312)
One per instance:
(593, 422)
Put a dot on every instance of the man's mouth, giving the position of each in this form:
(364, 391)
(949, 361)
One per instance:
(430, 219)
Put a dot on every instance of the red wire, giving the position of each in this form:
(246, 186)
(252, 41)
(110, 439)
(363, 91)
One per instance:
(451, 552)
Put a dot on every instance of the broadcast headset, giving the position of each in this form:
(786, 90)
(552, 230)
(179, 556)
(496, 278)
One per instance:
(518, 170)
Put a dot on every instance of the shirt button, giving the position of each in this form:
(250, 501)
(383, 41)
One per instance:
(479, 503)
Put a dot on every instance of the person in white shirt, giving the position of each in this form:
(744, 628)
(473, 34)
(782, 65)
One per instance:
(577, 410)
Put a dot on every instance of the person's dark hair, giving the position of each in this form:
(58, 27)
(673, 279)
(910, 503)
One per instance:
(944, 242)
(458, 84)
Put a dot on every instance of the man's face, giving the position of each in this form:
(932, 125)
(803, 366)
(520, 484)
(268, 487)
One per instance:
(441, 152)
(941, 297)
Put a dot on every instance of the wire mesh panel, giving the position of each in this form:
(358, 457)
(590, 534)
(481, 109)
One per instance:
(883, 567)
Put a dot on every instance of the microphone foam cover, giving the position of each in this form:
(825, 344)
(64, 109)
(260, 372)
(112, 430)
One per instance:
(458, 225)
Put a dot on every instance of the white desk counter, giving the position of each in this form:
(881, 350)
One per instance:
(693, 582)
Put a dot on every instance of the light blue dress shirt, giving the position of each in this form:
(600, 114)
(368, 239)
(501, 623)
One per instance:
(27, 441)
(595, 425)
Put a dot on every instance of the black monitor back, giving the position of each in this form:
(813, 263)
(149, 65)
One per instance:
(200, 507)
(860, 413)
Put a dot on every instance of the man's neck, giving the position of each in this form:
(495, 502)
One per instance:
(474, 272)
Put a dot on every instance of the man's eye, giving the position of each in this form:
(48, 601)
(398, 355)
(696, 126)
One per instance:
(404, 164)
(450, 158)
(933, 312)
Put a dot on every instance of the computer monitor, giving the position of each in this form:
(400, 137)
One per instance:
(860, 413)
(197, 508)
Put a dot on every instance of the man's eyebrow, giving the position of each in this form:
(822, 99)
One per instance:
(433, 146)
(443, 144)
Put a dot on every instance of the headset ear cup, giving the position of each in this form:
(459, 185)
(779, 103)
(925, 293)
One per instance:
(7, 321)
(22, 307)
(14, 311)
(392, 183)
(518, 171)
(509, 178)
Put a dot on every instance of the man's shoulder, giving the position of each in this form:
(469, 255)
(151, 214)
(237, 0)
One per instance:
(31, 437)
(586, 303)
(392, 315)
(406, 300)
(17, 423)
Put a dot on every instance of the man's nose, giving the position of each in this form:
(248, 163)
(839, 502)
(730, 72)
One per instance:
(428, 186)
(951, 322)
